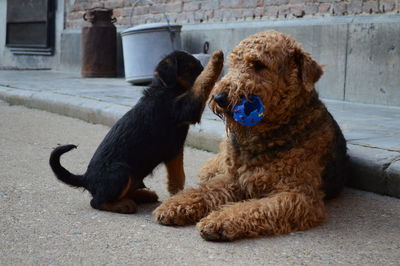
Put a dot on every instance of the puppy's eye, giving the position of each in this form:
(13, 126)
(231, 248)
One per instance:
(258, 65)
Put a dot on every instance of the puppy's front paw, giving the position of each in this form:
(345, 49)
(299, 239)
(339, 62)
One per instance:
(217, 57)
(173, 190)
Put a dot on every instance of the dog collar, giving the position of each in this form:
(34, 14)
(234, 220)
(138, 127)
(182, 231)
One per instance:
(250, 111)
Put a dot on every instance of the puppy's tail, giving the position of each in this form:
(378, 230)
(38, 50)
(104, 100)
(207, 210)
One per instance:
(61, 173)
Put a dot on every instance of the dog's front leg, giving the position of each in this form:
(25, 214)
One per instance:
(176, 173)
(206, 80)
(216, 165)
(213, 167)
(190, 105)
(280, 213)
(190, 205)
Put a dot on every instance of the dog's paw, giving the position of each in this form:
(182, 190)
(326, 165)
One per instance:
(125, 206)
(180, 210)
(212, 229)
(143, 195)
(217, 60)
(174, 214)
(217, 57)
(173, 189)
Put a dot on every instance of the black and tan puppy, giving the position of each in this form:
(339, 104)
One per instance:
(152, 132)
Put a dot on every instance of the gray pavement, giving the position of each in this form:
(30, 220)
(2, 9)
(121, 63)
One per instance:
(45, 222)
(372, 131)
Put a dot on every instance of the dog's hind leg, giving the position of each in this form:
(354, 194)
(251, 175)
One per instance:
(114, 199)
(281, 213)
(139, 193)
(176, 173)
(125, 205)
(142, 195)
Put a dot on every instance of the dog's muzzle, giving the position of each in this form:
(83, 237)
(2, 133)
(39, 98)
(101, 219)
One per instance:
(222, 100)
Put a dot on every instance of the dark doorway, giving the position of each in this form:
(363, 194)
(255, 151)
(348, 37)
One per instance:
(30, 26)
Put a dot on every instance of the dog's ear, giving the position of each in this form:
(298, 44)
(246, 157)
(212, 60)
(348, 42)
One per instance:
(309, 71)
(167, 72)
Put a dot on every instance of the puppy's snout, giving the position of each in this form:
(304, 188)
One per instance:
(221, 99)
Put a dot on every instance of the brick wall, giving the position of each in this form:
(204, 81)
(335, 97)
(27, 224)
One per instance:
(198, 11)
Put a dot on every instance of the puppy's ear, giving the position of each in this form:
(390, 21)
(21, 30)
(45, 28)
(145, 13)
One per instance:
(167, 72)
(309, 71)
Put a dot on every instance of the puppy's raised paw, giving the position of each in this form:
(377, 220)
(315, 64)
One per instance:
(217, 57)
(217, 61)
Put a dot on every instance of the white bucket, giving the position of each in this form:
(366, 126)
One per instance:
(144, 46)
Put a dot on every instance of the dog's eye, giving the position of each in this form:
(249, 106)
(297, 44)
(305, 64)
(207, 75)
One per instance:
(258, 65)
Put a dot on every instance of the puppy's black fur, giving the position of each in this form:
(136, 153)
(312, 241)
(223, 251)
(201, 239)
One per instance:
(152, 132)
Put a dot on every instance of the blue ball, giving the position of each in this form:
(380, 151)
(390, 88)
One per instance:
(249, 112)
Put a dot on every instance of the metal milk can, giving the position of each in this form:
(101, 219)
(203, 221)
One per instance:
(99, 44)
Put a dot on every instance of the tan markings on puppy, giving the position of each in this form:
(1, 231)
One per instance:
(126, 189)
(142, 195)
(176, 174)
(184, 82)
(126, 206)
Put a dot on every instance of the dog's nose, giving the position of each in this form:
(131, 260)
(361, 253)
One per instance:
(221, 99)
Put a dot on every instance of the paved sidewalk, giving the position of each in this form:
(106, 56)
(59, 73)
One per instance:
(45, 222)
(372, 131)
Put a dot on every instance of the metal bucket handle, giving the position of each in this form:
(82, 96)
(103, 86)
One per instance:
(92, 19)
(171, 33)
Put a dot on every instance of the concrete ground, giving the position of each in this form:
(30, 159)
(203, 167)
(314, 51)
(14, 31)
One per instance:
(372, 131)
(45, 222)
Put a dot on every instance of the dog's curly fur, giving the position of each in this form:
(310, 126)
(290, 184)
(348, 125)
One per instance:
(152, 132)
(270, 178)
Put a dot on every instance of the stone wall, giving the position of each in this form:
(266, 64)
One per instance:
(199, 11)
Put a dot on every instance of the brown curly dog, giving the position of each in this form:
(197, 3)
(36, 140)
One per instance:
(270, 178)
